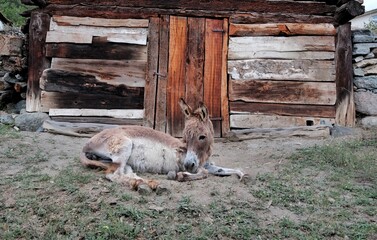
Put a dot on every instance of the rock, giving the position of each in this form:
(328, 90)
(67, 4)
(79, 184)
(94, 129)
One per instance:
(365, 63)
(358, 72)
(364, 39)
(371, 70)
(30, 121)
(369, 56)
(365, 103)
(338, 131)
(21, 105)
(359, 59)
(363, 48)
(6, 119)
(369, 122)
(367, 82)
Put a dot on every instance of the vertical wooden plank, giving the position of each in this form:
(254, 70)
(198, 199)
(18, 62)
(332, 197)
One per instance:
(39, 25)
(345, 107)
(160, 123)
(213, 71)
(176, 77)
(151, 77)
(225, 123)
(195, 61)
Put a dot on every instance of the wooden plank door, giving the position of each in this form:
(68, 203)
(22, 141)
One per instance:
(196, 67)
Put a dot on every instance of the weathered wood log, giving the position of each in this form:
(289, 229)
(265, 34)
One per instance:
(100, 22)
(115, 72)
(213, 70)
(113, 113)
(95, 119)
(74, 129)
(301, 132)
(196, 58)
(161, 100)
(345, 106)
(93, 101)
(348, 11)
(63, 81)
(37, 62)
(324, 111)
(151, 78)
(68, 33)
(321, 93)
(281, 29)
(260, 18)
(225, 127)
(114, 51)
(283, 6)
(274, 121)
(299, 70)
(297, 47)
(176, 78)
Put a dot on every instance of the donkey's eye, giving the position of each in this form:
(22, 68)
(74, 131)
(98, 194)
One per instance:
(202, 137)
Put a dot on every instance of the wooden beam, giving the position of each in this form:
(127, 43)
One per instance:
(213, 70)
(115, 72)
(176, 78)
(114, 51)
(345, 111)
(162, 75)
(274, 121)
(114, 113)
(269, 69)
(37, 62)
(84, 100)
(292, 92)
(296, 47)
(284, 6)
(100, 22)
(225, 123)
(151, 77)
(324, 111)
(348, 11)
(281, 29)
(63, 81)
(266, 17)
(195, 64)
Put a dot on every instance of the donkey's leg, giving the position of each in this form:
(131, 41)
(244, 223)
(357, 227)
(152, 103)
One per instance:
(131, 180)
(186, 176)
(221, 171)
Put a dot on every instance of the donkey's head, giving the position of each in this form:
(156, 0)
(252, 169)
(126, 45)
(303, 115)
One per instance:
(197, 135)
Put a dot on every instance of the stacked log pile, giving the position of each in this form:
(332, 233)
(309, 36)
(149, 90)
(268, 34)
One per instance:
(365, 76)
(12, 67)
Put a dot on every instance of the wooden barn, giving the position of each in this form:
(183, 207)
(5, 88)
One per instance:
(254, 63)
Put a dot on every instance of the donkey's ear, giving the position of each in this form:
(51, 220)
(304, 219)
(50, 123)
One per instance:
(203, 111)
(186, 109)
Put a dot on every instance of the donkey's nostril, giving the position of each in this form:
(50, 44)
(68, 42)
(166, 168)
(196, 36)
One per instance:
(192, 165)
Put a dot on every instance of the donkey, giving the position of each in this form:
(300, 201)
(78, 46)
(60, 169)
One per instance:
(122, 150)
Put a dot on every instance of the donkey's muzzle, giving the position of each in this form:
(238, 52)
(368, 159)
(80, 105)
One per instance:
(191, 162)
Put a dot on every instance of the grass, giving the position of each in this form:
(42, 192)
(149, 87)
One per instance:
(322, 192)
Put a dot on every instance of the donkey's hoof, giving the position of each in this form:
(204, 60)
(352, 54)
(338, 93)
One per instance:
(172, 175)
(144, 189)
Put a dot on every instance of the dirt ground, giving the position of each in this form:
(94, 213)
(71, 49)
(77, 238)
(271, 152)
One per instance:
(48, 155)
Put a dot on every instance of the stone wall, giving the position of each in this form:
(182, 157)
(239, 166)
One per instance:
(13, 67)
(365, 76)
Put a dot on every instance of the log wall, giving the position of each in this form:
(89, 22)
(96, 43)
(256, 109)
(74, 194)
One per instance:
(96, 64)
(281, 75)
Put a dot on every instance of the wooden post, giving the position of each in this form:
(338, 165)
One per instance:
(151, 77)
(345, 107)
(39, 25)
(225, 124)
